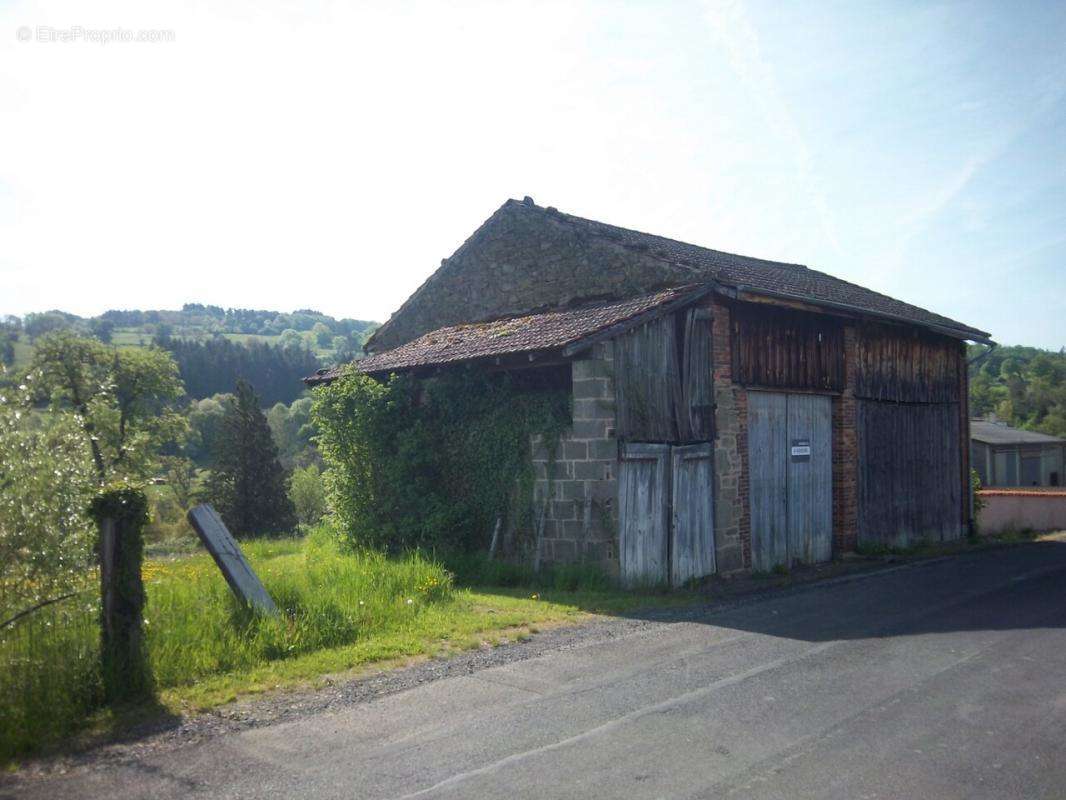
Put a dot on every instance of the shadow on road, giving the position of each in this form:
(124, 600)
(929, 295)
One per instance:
(1021, 587)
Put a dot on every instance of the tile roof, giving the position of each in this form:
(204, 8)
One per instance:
(548, 330)
(794, 280)
(998, 433)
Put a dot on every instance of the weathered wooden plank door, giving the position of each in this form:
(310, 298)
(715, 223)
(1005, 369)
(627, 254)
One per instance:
(644, 513)
(767, 479)
(910, 486)
(810, 478)
(790, 478)
(692, 535)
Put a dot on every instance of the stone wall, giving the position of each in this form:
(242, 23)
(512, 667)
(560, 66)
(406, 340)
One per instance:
(577, 491)
(524, 258)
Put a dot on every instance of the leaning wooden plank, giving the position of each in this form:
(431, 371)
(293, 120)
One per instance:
(235, 568)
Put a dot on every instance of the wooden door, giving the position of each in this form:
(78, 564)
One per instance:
(809, 478)
(790, 478)
(909, 470)
(643, 513)
(692, 493)
(767, 476)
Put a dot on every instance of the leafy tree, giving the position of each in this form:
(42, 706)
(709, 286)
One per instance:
(180, 474)
(122, 399)
(37, 325)
(322, 334)
(1024, 386)
(293, 430)
(46, 482)
(308, 494)
(102, 329)
(205, 422)
(7, 349)
(248, 485)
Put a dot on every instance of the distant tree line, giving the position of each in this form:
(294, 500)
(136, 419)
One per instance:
(213, 366)
(1023, 386)
(215, 319)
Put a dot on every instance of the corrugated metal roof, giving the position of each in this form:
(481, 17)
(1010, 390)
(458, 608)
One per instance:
(998, 433)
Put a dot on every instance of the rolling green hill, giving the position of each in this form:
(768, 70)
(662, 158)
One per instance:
(212, 345)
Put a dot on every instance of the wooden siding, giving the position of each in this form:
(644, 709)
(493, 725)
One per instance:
(692, 492)
(907, 366)
(909, 458)
(786, 349)
(643, 514)
(647, 381)
(664, 384)
(696, 408)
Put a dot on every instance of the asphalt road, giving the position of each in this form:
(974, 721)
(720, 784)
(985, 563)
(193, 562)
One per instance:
(942, 680)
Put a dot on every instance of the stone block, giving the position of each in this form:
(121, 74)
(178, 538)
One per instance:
(570, 490)
(602, 491)
(564, 509)
(590, 368)
(561, 470)
(729, 559)
(594, 552)
(574, 451)
(724, 512)
(574, 529)
(592, 389)
(594, 409)
(564, 550)
(591, 470)
(589, 429)
(603, 449)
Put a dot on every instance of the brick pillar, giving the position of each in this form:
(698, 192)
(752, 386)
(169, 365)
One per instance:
(846, 453)
(964, 439)
(732, 524)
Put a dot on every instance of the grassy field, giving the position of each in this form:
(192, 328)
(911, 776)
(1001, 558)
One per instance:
(342, 613)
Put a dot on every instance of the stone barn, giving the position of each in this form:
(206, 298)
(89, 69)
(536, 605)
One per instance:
(729, 413)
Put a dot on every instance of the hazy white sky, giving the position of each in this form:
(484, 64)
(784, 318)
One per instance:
(327, 155)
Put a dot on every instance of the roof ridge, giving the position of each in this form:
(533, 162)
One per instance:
(941, 320)
(572, 218)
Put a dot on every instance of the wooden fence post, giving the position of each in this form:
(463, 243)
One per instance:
(120, 515)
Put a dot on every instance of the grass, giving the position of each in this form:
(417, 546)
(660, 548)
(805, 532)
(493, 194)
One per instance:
(933, 548)
(342, 614)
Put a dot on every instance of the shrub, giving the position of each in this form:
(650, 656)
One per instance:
(431, 463)
(308, 495)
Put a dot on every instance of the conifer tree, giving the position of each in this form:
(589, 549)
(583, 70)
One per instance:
(248, 485)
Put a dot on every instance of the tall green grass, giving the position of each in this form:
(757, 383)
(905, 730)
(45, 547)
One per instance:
(194, 627)
(477, 569)
(49, 676)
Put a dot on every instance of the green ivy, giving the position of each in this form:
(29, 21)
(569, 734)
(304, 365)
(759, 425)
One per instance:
(123, 656)
(433, 462)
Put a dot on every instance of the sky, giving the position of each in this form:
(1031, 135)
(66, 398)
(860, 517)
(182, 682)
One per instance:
(287, 155)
